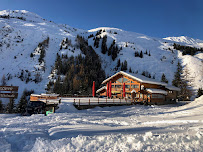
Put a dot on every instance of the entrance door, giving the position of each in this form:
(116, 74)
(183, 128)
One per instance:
(133, 95)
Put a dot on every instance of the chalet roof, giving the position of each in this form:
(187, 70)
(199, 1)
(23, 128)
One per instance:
(102, 88)
(43, 94)
(50, 95)
(137, 77)
(35, 95)
(172, 88)
(159, 91)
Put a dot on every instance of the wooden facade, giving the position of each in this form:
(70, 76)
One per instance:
(36, 97)
(138, 88)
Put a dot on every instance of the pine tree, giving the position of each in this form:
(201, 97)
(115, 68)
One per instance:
(149, 75)
(118, 63)
(125, 65)
(136, 54)
(185, 93)
(177, 77)
(179, 82)
(141, 54)
(57, 86)
(22, 105)
(149, 53)
(1, 107)
(111, 48)
(163, 78)
(146, 52)
(130, 70)
(3, 81)
(96, 42)
(31, 55)
(10, 106)
(115, 51)
(199, 92)
(104, 46)
(122, 69)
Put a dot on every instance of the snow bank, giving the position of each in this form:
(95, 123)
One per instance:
(126, 143)
(66, 106)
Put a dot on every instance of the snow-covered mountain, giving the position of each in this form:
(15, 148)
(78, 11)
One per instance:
(24, 36)
(186, 40)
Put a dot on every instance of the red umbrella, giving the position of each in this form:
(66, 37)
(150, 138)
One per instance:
(123, 90)
(93, 89)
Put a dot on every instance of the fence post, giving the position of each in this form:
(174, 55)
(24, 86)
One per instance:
(120, 100)
(126, 101)
(98, 100)
(106, 100)
(74, 101)
(113, 100)
(89, 102)
(79, 103)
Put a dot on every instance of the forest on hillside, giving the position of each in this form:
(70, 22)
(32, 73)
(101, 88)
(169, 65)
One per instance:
(75, 75)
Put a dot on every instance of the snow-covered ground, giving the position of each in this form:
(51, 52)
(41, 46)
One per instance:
(125, 128)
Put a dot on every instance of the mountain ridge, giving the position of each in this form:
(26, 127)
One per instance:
(21, 34)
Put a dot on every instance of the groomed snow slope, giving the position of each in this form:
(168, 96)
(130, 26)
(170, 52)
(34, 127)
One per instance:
(126, 128)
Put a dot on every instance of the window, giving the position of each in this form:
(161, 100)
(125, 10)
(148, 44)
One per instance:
(127, 86)
(125, 80)
(112, 86)
(141, 95)
(120, 80)
(135, 86)
(137, 95)
(157, 96)
(118, 86)
(170, 91)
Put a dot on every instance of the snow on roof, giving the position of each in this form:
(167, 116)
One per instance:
(43, 94)
(151, 90)
(50, 95)
(35, 95)
(49, 101)
(137, 77)
(133, 91)
(172, 88)
(104, 87)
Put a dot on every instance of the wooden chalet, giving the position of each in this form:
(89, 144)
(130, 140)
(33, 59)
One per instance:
(138, 88)
(49, 102)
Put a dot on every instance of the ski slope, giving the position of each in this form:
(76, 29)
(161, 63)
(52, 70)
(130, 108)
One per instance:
(125, 128)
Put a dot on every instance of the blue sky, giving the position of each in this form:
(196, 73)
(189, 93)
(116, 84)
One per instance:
(158, 18)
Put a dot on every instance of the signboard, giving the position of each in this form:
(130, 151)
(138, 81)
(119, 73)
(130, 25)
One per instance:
(8, 95)
(8, 88)
(12, 89)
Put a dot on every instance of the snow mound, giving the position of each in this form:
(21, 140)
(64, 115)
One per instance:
(66, 106)
(127, 143)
